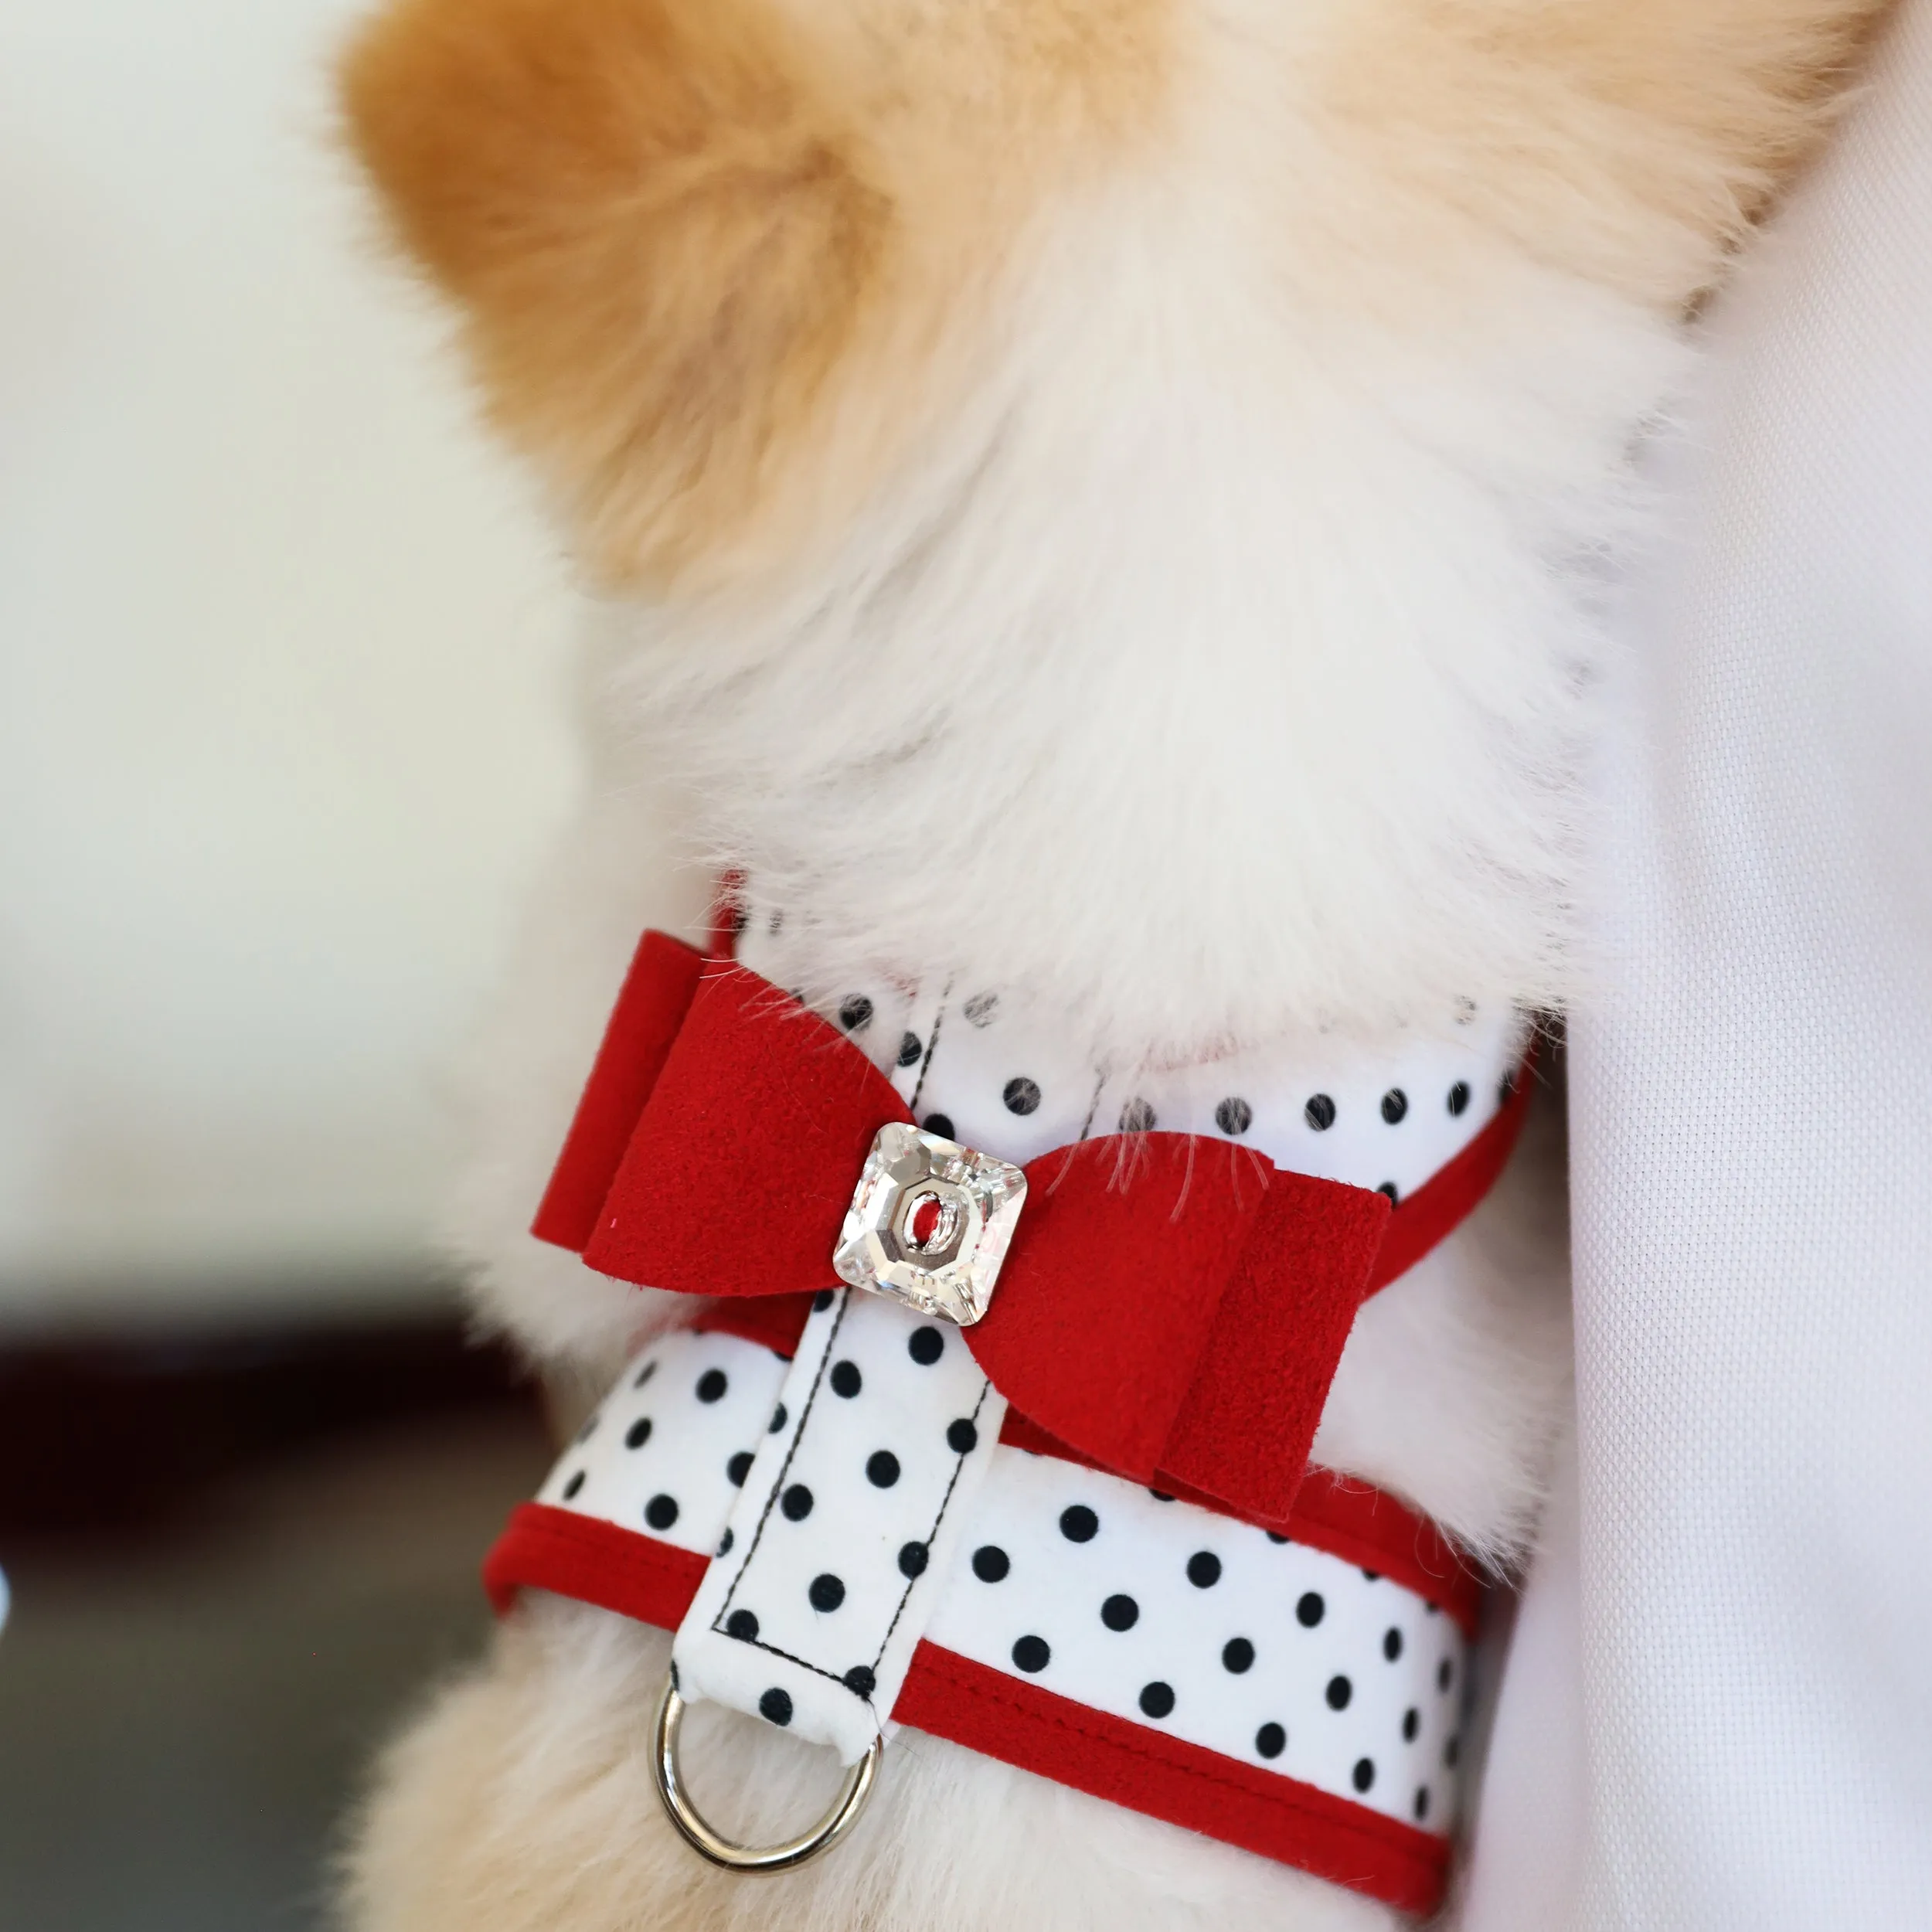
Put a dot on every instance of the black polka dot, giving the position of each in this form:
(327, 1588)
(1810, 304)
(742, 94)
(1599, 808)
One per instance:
(1237, 1656)
(711, 1386)
(1157, 1698)
(821, 1300)
(1319, 1113)
(1395, 1104)
(1079, 1524)
(846, 1380)
(982, 1006)
(912, 1560)
(1389, 1188)
(1411, 1723)
(991, 1564)
(1137, 1117)
(1120, 1613)
(638, 1434)
(1422, 1803)
(1458, 1104)
(741, 1625)
(1363, 1776)
(1021, 1095)
(1270, 1740)
(1445, 1674)
(1309, 1609)
(1392, 1644)
(775, 924)
(1275, 1536)
(941, 1124)
(725, 1542)
(909, 1049)
(1234, 1115)
(796, 1502)
(644, 1375)
(740, 919)
(962, 1437)
(855, 1013)
(827, 1592)
(882, 1469)
(1339, 1691)
(775, 1705)
(1204, 1569)
(739, 1468)
(1451, 1751)
(571, 1488)
(1032, 1654)
(925, 1345)
(860, 1681)
(1160, 1495)
(1371, 1576)
(661, 1512)
(779, 1418)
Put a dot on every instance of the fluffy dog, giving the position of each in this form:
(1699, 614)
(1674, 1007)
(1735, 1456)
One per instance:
(1104, 498)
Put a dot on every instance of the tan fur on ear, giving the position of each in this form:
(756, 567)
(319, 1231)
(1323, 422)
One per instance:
(668, 223)
(660, 230)
(1631, 141)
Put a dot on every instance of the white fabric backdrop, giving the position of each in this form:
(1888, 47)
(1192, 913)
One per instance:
(1719, 1711)
(284, 694)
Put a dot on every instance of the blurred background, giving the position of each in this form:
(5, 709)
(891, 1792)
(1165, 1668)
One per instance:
(282, 733)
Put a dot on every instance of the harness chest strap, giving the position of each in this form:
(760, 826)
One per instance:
(1298, 1694)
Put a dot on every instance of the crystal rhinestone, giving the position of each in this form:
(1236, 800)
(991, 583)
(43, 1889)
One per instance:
(929, 1223)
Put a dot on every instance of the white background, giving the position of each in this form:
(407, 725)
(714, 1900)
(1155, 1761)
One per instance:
(280, 647)
(1718, 1717)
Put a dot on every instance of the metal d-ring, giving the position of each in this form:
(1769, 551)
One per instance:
(707, 1843)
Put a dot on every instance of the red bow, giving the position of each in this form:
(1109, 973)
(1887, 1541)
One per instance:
(1172, 1308)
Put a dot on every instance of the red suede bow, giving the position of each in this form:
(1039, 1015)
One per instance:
(1172, 1308)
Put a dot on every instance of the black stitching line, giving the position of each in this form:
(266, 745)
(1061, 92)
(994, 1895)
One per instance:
(772, 1650)
(945, 1503)
(777, 1487)
(932, 1047)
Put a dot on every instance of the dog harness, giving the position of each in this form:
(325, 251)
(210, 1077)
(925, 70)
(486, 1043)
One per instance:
(994, 1418)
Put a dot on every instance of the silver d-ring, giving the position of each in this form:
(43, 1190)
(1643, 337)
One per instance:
(707, 1843)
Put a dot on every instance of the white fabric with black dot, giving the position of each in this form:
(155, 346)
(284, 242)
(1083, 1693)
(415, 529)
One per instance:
(1156, 1612)
(980, 1067)
(845, 1527)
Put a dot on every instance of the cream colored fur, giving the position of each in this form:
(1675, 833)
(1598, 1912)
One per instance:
(1210, 658)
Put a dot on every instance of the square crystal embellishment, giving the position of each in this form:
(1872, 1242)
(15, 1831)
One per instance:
(930, 1223)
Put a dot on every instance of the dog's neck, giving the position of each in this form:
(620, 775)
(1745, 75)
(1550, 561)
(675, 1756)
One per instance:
(1181, 680)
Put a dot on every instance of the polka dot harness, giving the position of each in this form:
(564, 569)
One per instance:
(851, 1527)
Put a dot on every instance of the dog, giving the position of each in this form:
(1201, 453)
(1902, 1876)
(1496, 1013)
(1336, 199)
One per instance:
(1103, 500)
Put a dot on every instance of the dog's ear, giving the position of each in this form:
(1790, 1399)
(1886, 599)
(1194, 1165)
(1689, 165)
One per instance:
(658, 224)
(692, 239)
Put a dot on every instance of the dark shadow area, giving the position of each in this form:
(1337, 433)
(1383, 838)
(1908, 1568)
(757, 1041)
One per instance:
(235, 1564)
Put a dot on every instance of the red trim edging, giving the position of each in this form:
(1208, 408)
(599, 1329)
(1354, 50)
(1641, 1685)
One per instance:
(595, 1562)
(983, 1710)
(968, 1703)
